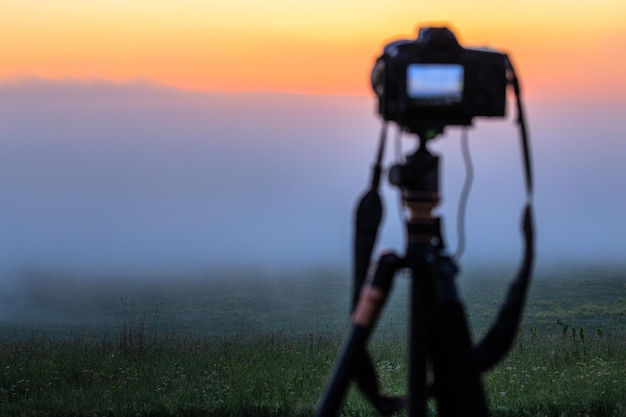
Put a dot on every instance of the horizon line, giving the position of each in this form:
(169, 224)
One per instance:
(22, 80)
(148, 83)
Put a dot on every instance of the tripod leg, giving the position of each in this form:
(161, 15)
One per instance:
(458, 387)
(364, 372)
(440, 338)
(366, 312)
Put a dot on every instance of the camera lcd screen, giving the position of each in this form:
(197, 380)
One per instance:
(435, 84)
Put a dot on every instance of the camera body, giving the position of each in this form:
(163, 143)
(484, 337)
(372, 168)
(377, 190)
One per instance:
(431, 82)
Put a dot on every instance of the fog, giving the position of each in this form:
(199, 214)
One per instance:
(99, 178)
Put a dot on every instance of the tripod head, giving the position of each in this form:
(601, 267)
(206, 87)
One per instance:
(418, 180)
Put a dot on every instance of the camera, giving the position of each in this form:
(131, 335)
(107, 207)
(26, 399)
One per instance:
(426, 84)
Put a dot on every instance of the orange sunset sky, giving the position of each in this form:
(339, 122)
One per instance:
(562, 48)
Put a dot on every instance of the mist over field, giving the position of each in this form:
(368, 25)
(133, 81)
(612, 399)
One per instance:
(99, 178)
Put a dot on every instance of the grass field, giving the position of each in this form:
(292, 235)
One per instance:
(263, 343)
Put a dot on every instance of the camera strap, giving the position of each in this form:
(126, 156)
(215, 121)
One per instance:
(500, 336)
(521, 121)
(368, 217)
(369, 214)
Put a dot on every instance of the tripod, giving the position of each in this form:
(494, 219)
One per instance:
(440, 348)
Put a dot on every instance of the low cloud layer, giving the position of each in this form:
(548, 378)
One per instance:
(100, 177)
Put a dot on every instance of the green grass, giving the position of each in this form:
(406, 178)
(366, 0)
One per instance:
(270, 375)
(244, 347)
(279, 375)
(568, 374)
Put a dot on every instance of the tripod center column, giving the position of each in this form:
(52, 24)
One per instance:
(418, 179)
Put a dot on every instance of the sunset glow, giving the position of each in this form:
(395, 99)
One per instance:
(562, 48)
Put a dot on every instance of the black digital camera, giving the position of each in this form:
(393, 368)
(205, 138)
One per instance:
(431, 82)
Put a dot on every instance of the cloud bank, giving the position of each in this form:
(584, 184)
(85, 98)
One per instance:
(107, 177)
